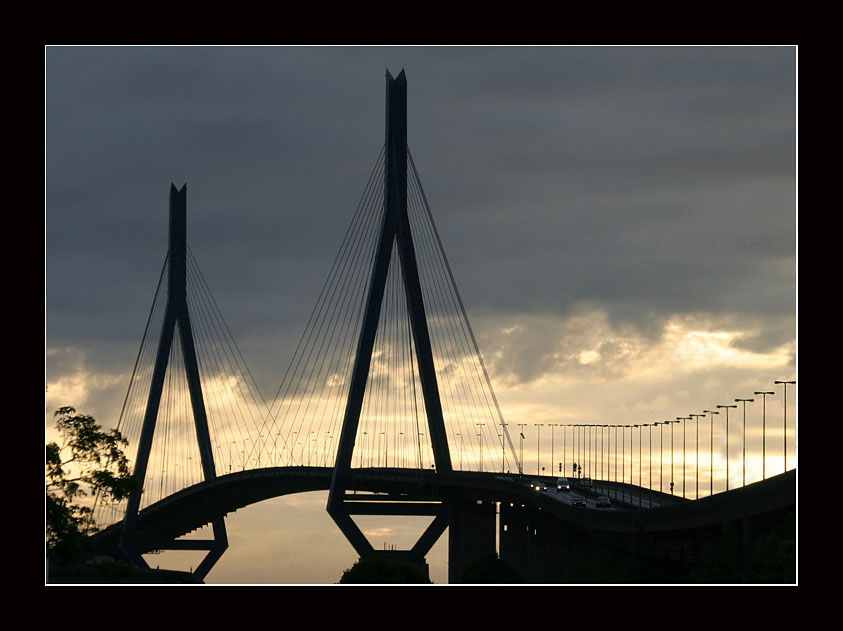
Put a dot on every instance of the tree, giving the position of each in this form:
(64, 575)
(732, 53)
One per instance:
(384, 568)
(89, 461)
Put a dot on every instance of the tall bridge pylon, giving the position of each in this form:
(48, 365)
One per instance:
(176, 315)
(394, 232)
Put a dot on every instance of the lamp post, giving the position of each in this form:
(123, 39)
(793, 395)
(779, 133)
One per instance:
(764, 433)
(521, 447)
(711, 414)
(671, 454)
(640, 429)
(584, 448)
(577, 449)
(623, 451)
(616, 451)
(726, 407)
(481, 444)
(744, 401)
(661, 450)
(602, 453)
(564, 452)
(564, 449)
(696, 418)
(552, 425)
(538, 447)
(595, 458)
(650, 458)
(679, 419)
(785, 383)
(503, 453)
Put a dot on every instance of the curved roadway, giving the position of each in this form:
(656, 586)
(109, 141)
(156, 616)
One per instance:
(198, 505)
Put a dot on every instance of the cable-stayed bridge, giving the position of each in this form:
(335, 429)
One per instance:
(386, 401)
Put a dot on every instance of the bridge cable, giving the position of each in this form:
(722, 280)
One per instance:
(462, 307)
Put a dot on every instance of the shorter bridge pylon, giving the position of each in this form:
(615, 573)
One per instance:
(133, 540)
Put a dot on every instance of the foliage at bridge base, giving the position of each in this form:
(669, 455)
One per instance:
(384, 568)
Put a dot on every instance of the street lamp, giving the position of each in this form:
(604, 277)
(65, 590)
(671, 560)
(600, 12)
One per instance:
(639, 462)
(564, 448)
(696, 418)
(711, 450)
(678, 419)
(481, 444)
(602, 453)
(538, 447)
(784, 383)
(577, 459)
(623, 457)
(615, 452)
(503, 453)
(726, 407)
(661, 450)
(764, 433)
(671, 454)
(521, 446)
(744, 401)
(650, 458)
(552, 425)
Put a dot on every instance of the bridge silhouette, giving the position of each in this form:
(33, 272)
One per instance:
(386, 385)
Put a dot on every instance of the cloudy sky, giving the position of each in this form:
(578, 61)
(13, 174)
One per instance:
(621, 221)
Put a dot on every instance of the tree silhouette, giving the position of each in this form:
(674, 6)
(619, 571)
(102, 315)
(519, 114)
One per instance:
(383, 568)
(88, 462)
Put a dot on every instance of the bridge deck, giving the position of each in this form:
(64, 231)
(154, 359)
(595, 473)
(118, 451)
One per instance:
(198, 505)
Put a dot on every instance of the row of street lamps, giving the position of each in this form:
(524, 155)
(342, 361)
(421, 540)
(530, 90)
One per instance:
(583, 446)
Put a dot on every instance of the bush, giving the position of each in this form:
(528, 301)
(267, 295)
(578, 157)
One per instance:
(384, 568)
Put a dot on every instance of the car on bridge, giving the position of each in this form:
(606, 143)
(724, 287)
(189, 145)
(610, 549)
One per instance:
(602, 502)
(538, 485)
(563, 484)
(578, 500)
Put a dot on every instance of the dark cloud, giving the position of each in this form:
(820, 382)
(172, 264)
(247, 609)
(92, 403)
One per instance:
(645, 181)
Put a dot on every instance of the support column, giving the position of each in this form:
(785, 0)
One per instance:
(515, 536)
(471, 535)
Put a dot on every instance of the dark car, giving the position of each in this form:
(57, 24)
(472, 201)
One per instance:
(538, 485)
(602, 502)
(577, 500)
(562, 484)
